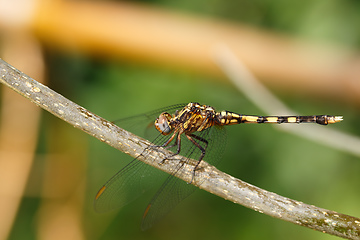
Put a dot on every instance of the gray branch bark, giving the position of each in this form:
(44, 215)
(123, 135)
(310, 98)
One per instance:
(216, 182)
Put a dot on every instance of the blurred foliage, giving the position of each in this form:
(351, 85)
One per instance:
(258, 154)
(331, 21)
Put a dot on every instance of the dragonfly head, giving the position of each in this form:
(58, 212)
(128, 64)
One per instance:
(163, 123)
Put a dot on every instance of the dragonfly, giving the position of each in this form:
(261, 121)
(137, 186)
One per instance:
(192, 130)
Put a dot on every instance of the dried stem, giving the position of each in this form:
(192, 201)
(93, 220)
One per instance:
(217, 182)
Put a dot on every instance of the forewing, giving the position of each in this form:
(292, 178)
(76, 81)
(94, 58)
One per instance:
(174, 190)
(114, 193)
(136, 177)
(143, 124)
(171, 193)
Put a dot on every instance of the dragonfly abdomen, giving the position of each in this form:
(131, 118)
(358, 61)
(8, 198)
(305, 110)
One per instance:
(230, 118)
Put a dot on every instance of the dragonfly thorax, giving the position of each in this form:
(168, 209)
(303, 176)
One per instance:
(192, 118)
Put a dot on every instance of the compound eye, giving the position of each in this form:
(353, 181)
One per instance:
(162, 124)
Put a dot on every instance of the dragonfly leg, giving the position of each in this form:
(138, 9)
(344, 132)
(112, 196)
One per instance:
(166, 144)
(169, 141)
(200, 139)
(172, 145)
(177, 142)
(190, 137)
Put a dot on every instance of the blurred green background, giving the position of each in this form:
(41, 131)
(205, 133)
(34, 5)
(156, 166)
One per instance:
(258, 154)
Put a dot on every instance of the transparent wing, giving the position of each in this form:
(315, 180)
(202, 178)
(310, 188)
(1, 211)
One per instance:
(114, 194)
(174, 190)
(136, 177)
(143, 124)
(171, 193)
(127, 185)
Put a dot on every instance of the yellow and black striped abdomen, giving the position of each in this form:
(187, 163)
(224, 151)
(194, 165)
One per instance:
(230, 118)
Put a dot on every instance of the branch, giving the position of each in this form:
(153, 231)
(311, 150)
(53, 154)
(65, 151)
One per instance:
(217, 182)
